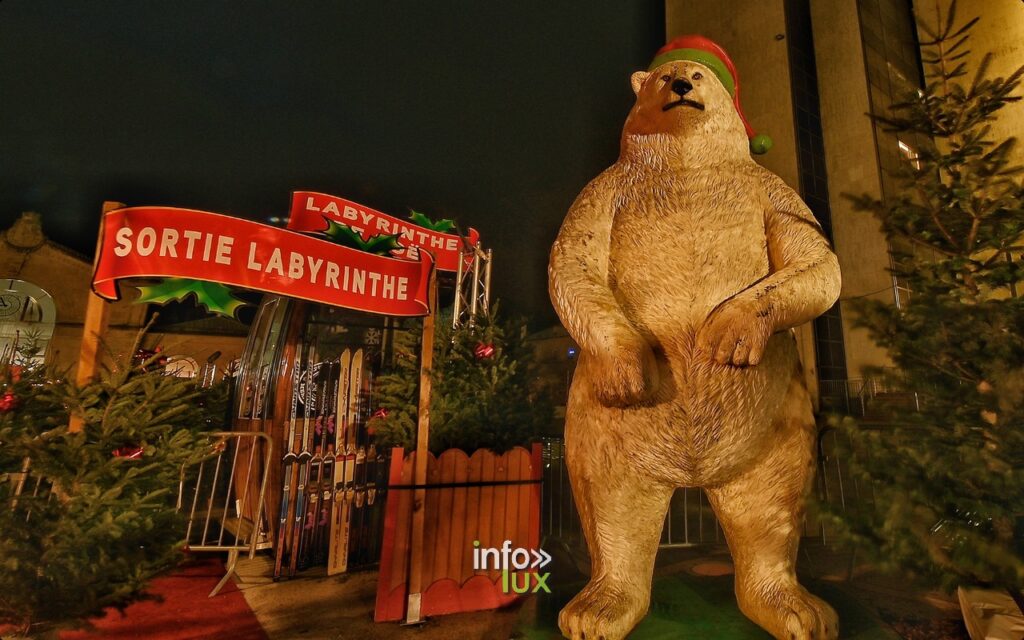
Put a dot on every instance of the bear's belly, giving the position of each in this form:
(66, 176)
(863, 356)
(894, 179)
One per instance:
(670, 266)
(707, 422)
(720, 418)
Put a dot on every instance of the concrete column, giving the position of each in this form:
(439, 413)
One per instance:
(852, 166)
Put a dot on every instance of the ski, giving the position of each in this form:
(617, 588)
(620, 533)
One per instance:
(307, 543)
(366, 481)
(378, 493)
(302, 462)
(288, 466)
(359, 499)
(359, 476)
(341, 401)
(325, 486)
(371, 497)
(346, 490)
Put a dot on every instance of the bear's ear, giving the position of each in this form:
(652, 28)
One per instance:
(637, 80)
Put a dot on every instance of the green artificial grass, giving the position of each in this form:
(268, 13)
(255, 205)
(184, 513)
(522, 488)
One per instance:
(685, 607)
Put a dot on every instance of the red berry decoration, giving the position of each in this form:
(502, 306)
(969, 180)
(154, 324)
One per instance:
(142, 355)
(8, 402)
(132, 453)
(483, 351)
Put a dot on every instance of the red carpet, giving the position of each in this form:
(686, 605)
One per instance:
(185, 613)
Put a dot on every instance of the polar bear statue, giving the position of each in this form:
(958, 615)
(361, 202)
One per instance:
(681, 271)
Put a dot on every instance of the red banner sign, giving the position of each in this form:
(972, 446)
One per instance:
(182, 243)
(310, 212)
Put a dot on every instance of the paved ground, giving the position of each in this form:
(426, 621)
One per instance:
(693, 599)
(319, 607)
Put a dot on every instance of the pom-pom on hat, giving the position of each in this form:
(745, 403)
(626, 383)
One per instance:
(708, 53)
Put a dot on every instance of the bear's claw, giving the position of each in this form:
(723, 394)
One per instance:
(627, 377)
(792, 614)
(602, 612)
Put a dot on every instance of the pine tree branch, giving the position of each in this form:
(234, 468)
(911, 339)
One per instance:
(932, 364)
(934, 215)
(927, 245)
(938, 43)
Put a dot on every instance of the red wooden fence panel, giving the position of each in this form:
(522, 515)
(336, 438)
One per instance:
(455, 517)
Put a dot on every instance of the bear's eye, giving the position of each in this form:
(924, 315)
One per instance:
(698, 75)
(666, 78)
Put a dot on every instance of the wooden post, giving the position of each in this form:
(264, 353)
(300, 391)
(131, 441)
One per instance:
(97, 311)
(412, 612)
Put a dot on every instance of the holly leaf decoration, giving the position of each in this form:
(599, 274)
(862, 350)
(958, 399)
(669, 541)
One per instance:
(444, 226)
(216, 297)
(380, 244)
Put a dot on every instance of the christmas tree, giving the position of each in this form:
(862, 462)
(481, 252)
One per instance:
(948, 479)
(88, 518)
(485, 389)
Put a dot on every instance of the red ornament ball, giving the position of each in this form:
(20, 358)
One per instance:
(483, 351)
(8, 402)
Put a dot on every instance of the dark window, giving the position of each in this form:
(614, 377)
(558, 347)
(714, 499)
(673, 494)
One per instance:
(830, 351)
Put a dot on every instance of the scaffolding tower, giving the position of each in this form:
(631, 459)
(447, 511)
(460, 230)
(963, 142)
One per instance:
(472, 286)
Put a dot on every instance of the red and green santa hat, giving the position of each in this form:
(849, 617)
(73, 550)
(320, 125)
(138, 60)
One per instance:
(708, 53)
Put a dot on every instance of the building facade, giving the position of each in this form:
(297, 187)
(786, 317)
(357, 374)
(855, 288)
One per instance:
(811, 72)
(43, 295)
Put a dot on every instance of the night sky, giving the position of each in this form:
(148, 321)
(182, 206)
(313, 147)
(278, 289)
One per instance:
(494, 114)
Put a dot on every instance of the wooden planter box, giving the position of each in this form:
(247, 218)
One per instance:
(483, 496)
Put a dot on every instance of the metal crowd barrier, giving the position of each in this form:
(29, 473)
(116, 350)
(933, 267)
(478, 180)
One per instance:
(22, 479)
(690, 520)
(219, 519)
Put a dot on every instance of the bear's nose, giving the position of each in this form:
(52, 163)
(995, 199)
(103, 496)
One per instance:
(682, 86)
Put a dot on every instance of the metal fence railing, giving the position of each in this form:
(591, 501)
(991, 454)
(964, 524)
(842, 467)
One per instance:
(858, 396)
(840, 395)
(222, 496)
(559, 518)
(25, 480)
(691, 521)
